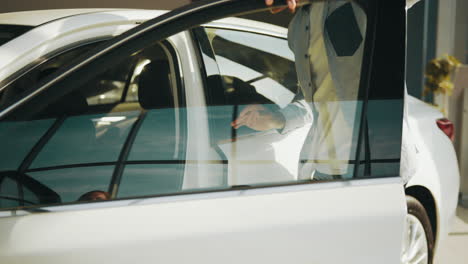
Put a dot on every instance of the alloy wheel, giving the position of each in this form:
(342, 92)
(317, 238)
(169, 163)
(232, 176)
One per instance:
(415, 247)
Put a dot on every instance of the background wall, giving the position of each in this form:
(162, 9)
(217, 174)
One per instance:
(421, 43)
(460, 50)
(452, 39)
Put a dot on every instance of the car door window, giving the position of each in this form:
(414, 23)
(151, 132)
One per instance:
(18, 189)
(264, 62)
(117, 84)
(39, 69)
(14, 151)
(73, 181)
(82, 141)
(170, 124)
(9, 191)
(255, 68)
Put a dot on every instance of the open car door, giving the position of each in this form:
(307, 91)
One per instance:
(179, 193)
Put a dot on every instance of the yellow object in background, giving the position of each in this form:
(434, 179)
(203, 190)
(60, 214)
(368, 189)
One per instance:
(439, 75)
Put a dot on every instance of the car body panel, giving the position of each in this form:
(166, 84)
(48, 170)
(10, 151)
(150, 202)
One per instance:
(300, 224)
(437, 172)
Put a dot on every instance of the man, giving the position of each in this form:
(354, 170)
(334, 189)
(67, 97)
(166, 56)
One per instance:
(96, 195)
(328, 65)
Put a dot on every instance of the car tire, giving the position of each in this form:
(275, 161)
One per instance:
(418, 239)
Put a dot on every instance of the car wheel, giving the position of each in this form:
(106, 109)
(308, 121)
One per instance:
(418, 239)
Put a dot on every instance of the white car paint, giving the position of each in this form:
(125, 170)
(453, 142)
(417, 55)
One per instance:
(38, 17)
(438, 167)
(247, 224)
(62, 33)
(160, 224)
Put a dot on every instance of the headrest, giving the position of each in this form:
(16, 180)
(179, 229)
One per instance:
(154, 86)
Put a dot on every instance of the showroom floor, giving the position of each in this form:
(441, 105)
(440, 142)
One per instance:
(455, 248)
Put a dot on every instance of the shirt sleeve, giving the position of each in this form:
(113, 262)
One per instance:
(296, 114)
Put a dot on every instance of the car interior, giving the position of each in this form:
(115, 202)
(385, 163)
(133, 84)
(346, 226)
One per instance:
(101, 115)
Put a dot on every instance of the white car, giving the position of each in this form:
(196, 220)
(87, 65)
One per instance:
(117, 143)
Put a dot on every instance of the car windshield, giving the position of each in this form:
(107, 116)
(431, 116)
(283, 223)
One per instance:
(9, 32)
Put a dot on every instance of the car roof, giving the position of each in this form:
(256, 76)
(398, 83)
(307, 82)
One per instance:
(50, 25)
(60, 25)
(38, 17)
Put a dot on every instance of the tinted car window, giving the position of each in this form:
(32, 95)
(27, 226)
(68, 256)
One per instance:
(81, 142)
(9, 193)
(36, 71)
(13, 150)
(264, 62)
(257, 69)
(254, 69)
(71, 183)
(86, 139)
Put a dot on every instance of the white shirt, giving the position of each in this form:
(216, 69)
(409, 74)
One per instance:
(330, 84)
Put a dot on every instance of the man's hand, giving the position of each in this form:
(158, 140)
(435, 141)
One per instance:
(292, 4)
(260, 118)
